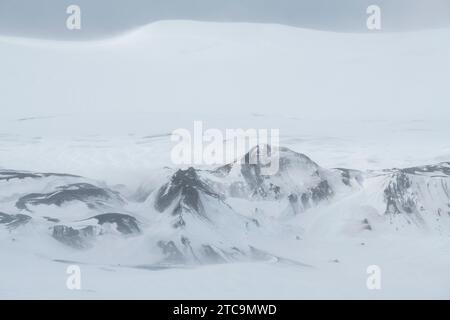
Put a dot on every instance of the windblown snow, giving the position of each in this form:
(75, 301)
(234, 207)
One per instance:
(86, 176)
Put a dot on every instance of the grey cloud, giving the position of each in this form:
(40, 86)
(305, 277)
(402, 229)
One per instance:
(46, 18)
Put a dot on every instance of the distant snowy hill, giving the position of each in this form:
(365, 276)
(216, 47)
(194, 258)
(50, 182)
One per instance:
(175, 66)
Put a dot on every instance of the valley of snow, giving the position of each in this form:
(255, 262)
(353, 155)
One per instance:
(99, 114)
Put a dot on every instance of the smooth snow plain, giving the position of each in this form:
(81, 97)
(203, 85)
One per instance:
(105, 110)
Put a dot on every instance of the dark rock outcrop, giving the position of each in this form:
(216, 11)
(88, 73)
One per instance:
(183, 195)
(7, 175)
(93, 196)
(76, 238)
(125, 224)
(12, 221)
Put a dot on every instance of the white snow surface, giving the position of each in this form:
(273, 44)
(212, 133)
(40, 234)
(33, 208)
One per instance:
(105, 110)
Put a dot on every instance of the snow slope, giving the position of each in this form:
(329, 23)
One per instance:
(185, 66)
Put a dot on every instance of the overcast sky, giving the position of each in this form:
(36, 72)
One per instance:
(46, 18)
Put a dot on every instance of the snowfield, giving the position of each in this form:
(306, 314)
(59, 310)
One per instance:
(86, 176)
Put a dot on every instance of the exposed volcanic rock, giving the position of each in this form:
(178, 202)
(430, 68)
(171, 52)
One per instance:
(125, 224)
(12, 221)
(76, 238)
(81, 236)
(8, 175)
(398, 196)
(415, 197)
(171, 252)
(435, 171)
(50, 219)
(413, 190)
(183, 195)
(350, 176)
(186, 251)
(200, 219)
(299, 180)
(211, 254)
(92, 196)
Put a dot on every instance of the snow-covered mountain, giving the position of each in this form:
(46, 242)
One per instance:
(299, 180)
(214, 216)
(417, 197)
(203, 227)
(74, 210)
